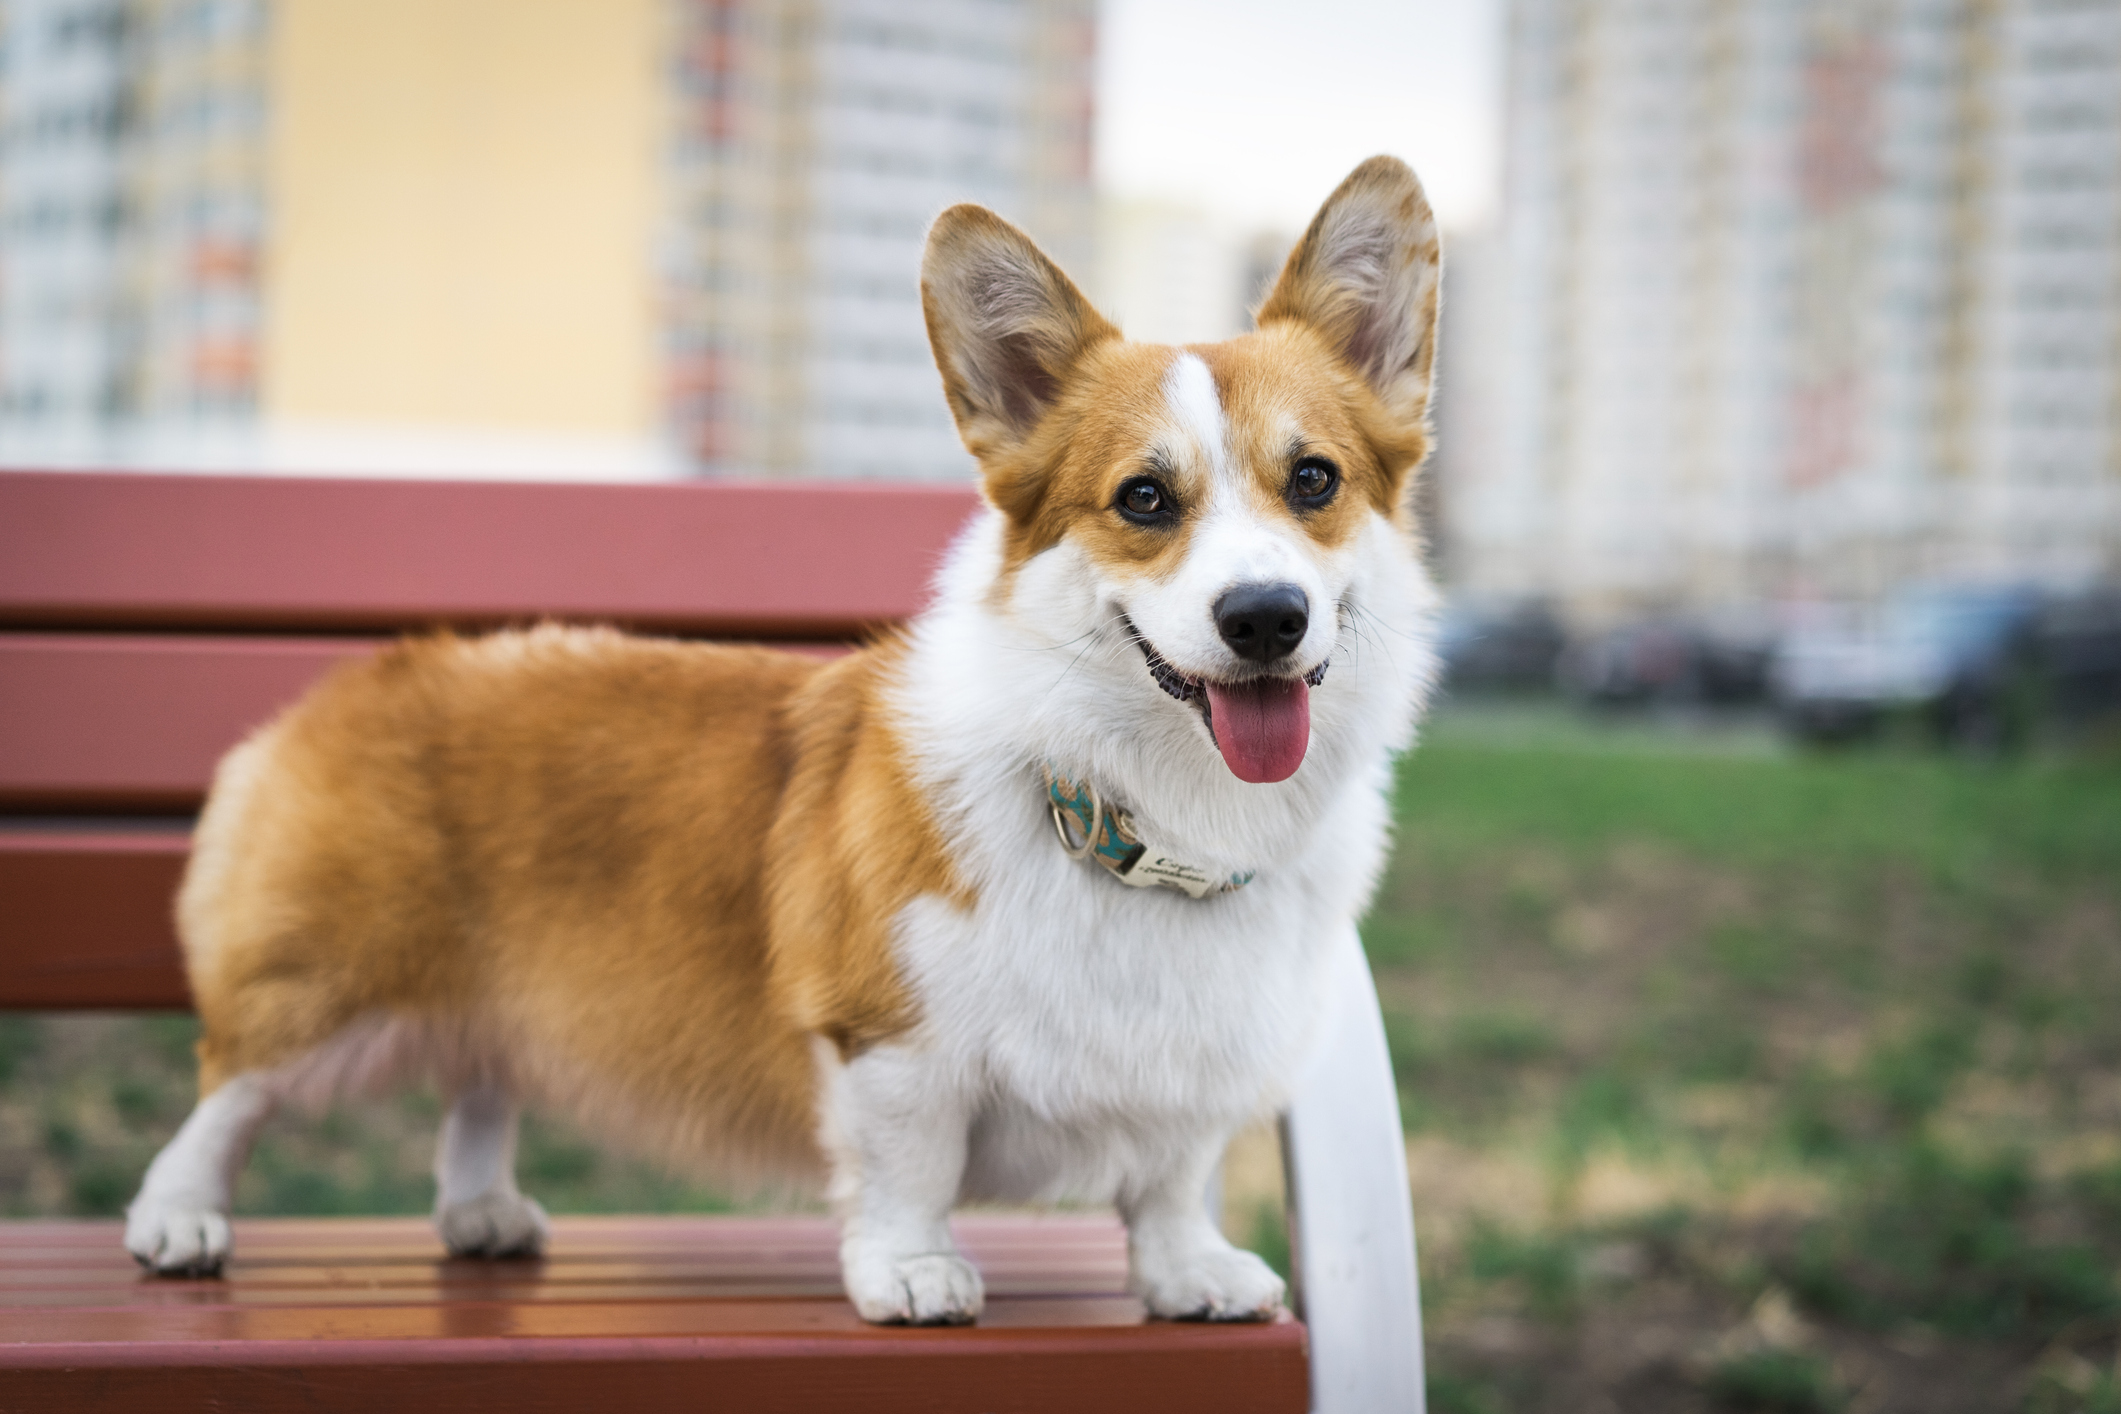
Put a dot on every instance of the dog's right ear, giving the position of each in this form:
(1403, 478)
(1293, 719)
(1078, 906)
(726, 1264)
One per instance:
(1006, 326)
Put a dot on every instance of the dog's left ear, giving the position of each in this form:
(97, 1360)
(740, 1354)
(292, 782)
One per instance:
(1365, 276)
(1006, 326)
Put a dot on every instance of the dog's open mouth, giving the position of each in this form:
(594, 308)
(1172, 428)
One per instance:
(1262, 725)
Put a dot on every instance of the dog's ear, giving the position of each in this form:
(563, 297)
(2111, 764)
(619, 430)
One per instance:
(1365, 276)
(1006, 326)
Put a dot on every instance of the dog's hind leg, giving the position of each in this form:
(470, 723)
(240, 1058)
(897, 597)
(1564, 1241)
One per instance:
(478, 1210)
(179, 1223)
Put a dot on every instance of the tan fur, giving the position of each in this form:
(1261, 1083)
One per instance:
(1287, 375)
(655, 866)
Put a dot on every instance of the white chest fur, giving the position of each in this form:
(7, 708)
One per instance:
(1091, 1020)
(1079, 1025)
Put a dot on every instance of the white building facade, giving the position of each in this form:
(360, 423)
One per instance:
(131, 214)
(1803, 298)
(63, 105)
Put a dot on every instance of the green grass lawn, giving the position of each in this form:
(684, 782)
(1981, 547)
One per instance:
(1733, 1079)
(1746, 1080)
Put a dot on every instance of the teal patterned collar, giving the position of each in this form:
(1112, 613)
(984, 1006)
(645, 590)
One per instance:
(1092, 827)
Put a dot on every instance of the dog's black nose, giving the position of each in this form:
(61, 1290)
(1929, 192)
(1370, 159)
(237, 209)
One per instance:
(1263, 622)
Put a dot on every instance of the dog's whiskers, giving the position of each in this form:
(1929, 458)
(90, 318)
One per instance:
(1090, 632)
(1089, 641)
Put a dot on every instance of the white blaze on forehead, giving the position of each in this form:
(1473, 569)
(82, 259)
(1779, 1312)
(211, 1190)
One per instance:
(1189, 388)
(1231, 541)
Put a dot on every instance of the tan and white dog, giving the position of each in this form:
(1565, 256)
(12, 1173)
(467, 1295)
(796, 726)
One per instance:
(872, 917)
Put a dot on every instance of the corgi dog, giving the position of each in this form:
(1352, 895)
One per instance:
(1026, 901)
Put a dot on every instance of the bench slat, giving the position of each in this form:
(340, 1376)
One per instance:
(109, 723)
(123, 551)
(135, 722)
(85, 917)
(570, 1333)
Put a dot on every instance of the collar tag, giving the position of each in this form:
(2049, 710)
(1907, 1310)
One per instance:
(1091, 827)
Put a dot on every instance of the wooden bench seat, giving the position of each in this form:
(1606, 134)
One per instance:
(626, 1314)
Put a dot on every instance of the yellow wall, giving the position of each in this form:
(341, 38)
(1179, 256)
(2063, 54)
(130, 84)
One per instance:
(461, 201)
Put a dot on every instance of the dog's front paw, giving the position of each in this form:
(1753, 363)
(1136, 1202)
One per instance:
(1209, 1284)
(177, 1240)
(924, 1289)
(493, 1225)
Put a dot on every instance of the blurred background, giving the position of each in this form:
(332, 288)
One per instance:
(1752, 949)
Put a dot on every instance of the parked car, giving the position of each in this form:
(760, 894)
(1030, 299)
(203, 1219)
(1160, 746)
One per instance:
(1650, 660)
(1716, 660)
(2078, 637)
(1961, 660)
(1508, 647)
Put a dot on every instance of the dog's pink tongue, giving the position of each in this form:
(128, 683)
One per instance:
(1263, 727)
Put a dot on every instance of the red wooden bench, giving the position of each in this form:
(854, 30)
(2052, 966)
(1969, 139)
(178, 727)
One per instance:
(147, 622)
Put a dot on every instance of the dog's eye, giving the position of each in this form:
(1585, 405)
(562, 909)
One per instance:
(1313, 483)
(1145, 502)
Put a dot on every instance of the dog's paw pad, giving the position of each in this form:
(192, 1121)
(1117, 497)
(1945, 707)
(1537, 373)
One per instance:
(1212, 1285)
(493, 1225)
(177, 1240)
(931, 1289)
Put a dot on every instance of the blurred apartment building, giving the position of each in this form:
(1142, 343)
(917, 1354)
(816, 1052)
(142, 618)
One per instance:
(132, 212)
(815, 141)
(475, 236)
(1796, 298)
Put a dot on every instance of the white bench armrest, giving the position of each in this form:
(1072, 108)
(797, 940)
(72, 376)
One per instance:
(1351, 1221)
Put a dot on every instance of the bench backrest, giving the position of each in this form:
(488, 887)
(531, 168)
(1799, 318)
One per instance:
(147, 622)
